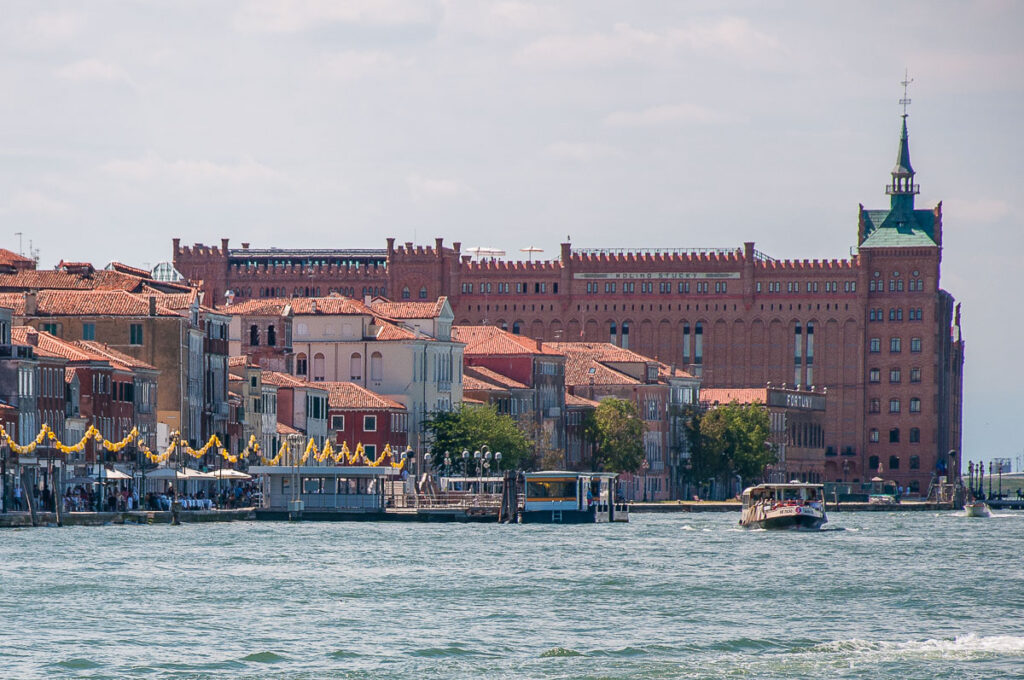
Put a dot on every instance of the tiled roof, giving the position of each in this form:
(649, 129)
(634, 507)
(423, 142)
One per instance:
(408, 310)
(470, 400)
(84, 303)
(346, 395)
(490, 340)
(726, 395)
(177, 301)
(601, 351)
(581, 369)
(470, 384)
(282, 379)
(485, 374)
(241, 361)
(114, 355)
(10, 257)
(666, 371)
(286, 429)
(327, 306)
(389, 331)
(573, 400)
(50, 345)
(38, 279)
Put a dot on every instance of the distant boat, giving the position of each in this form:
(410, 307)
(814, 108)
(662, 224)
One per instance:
(977, 509)
(784, 506)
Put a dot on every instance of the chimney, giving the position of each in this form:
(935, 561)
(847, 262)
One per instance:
(540, 344)
(32, 337)
(152, 305)
(314, 306)
(31, 305)
(224, 246)
(367, 299)
(177, 245)
(245, 246)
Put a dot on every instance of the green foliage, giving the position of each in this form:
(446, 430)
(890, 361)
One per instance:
(470, 428)
(616, 434)
(731, 440)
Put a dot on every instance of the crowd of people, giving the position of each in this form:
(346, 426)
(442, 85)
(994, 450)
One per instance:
(125, 497)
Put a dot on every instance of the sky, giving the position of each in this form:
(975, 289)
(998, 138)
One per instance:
(334, 123)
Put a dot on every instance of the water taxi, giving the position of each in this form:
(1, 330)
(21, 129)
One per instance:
(784, 506)
(572, 498)
(977, 509)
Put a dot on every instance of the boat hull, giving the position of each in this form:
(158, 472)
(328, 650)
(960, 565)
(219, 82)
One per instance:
(806, 522)
(977, 510)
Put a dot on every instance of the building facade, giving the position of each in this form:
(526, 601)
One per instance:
(876, 328)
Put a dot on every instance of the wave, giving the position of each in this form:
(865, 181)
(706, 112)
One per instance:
(559, 652)
(967, 646)
(78, 664)
(264, 657)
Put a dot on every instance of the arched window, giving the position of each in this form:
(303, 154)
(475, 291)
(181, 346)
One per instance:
(423, 293)
(254, 335)
(873, 436)
(625, 335)
(405, 293)
(915, 405)
(271, 336)
(613, 334)
(873, 463)
(894, 462)
(516, 329)
(376, 366)
(355, 364)
(915, 435)
(698, 343)
(894, 435)
(301, 367)
(915, 462)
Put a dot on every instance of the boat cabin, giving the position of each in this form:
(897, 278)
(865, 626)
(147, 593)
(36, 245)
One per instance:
(332, 488)
(794, 493)
(572, 497)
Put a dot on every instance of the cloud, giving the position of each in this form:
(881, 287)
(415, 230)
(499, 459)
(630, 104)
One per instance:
(582, 151)
(35, 203)
(93, 70)
(429, 188)
(293, 16)
(668, 113)
(730, 37)
(361, 64)
(192, 172)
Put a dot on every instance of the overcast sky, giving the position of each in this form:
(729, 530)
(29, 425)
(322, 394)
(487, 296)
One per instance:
(327, 123)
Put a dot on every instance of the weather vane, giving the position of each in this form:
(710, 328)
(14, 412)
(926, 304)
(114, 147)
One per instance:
(905, 83)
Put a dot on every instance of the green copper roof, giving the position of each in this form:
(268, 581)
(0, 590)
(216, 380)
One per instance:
(903, 166)
(897, 238)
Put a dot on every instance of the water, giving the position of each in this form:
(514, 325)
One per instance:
(890, 595)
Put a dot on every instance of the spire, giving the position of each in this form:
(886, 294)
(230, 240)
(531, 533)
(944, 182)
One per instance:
(903, 187)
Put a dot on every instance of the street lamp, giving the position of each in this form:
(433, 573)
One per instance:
(645, 466)
(427, 457)
(447, 463)
(497, 460)
(465, 468)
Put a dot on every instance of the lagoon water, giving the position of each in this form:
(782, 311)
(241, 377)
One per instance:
(879, 595)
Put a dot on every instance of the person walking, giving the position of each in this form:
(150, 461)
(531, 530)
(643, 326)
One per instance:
(17, 498)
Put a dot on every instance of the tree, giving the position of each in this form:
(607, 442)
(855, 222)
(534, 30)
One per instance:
(616, 434)
(731, 440)
(470, 428)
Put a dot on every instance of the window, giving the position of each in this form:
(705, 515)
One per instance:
(915, 438)
(405, 293)
(873, 463)
(371, 451)
(612, 334)
(698, 343)
(625, 335)
(337, 422)
(915, 344)
(254, 335)
(894, 375)
(271, 336)
(376, 366)
(88, 331)
(894, 437)
(894, 462)
(875, 406)
(423, 293)
(629, 287)
(135, 334)
(915, 375)
(915, 405)
(301, 364)
(895, 345)
(516, 328)
(355, 366)
(874, 375)
(896, 314)
(873, 436)
(319, 367)
(894, 406)
(369, 423)
(875, 345)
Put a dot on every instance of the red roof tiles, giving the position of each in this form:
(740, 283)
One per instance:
(349, 396)
(727, 395)
(84, 303)
(487, 376)
(489, 341)
(408, 310)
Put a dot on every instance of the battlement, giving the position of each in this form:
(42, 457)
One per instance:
(491, 266)
(805, 266)
(201, 250)
(256, 272)
(410, 252)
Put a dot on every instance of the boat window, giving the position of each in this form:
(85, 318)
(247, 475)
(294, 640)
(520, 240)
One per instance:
(558, 489)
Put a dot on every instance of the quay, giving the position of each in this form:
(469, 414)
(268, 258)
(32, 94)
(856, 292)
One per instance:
(12, 520)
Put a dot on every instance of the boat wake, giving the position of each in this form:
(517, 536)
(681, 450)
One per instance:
(962, 647)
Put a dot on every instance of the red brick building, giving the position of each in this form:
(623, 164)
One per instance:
(876, 328)
(358, 416)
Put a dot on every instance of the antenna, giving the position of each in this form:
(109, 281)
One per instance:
(907, 80)
(20, 249)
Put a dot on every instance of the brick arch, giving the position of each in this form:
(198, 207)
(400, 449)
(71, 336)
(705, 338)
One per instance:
(665, 343)
(738, 359)
(632, 327)
(502, 324)
(603, 330)
(830, 353)
(776, 367)
(592, 332)
(555, 331)
(518, 324)
(537, 329)
(572, 331)
(646, 341)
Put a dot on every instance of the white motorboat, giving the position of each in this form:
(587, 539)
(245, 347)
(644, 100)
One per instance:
(784, 506)
(977, 509)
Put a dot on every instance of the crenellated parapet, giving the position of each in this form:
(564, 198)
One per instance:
(259, 272)
(805, 266)
(505, 267)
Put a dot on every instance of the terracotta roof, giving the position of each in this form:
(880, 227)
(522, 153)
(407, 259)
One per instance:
(51, 345)
(490, 340)
(107, 279)
(470, 400)
(485, 374)
(84, 303)
(282, 379)
(240, 361)
(573, 400)
(327, 306)
(286, 429)
(408, 310)
(470, 384)
(177, 301)
(114, 355)
(666, 371)
(389, 331)
(346, 395)
(128, 269)
(727, 395)
(581, 369)
(10, 257)
(601, 351)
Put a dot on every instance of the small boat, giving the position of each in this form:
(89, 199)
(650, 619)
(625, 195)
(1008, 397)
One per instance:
(795, 505)
(977, 509)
